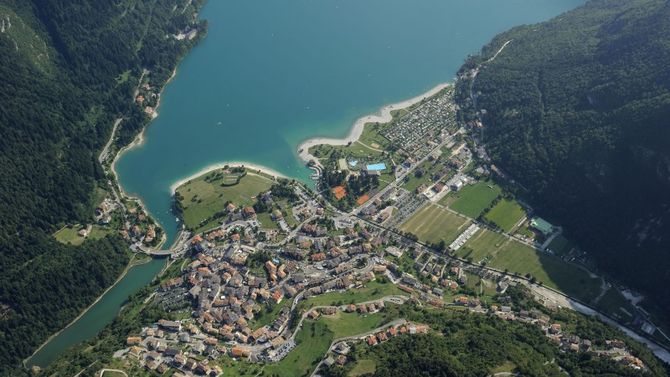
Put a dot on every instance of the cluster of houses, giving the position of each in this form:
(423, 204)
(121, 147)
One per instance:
(162, 347)
(104, 212)
(341, 350)
(225, 290)
(139, 229)
(147, 98)
(613, 349)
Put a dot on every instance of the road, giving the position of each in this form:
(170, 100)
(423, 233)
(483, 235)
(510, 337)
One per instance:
(475, 73)
(105, 151)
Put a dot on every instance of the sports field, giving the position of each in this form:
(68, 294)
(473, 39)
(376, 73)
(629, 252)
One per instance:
(433, 224)
(551, 271)
(506, 214)
(471, 200)
(483, 246)
(503, 253)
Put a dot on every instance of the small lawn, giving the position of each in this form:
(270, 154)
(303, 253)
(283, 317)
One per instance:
(350, 324)
(363, 367)
(69, 236)
(506, 214)
(371, 291)
(313, 341)
(315, 338)
(265, 318)
(266, 221)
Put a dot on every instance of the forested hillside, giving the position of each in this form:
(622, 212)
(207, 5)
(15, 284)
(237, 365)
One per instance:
(577, 110)
(67, 70)
(467, 344)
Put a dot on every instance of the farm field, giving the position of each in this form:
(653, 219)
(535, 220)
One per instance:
(434, 224)
(505, 254)
(506, 214)
(204, 196)
(471, 200)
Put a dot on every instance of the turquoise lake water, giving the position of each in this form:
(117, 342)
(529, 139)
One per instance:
(101, 313)
(271, 74)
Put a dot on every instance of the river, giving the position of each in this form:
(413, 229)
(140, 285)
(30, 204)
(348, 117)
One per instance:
(100, 314)
(271, 74)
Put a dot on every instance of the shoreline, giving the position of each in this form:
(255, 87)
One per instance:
(131, 264)
(220, 165)
(382, 116)
(138, 141)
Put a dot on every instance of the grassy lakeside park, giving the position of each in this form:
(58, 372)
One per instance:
(202, 198)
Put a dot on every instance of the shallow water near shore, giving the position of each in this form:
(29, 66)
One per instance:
(271, 74)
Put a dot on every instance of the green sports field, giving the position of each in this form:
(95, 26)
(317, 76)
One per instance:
(506, 214)
(433, 224)
(503, 253)
(551, 271)
(471, 200)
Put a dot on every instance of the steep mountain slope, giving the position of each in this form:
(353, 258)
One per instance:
(577, 111)
(67, 70)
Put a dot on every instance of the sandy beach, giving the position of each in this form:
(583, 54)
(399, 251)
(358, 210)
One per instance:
(383, 116)
(250, 166)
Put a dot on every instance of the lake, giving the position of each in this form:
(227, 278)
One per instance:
(271, 74)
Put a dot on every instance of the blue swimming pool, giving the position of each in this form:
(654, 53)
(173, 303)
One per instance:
(376, 167)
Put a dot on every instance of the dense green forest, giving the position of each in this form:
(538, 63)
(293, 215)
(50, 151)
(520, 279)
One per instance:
(576, 110)
(67, 70)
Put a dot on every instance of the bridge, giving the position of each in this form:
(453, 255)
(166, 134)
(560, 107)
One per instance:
(159, 253)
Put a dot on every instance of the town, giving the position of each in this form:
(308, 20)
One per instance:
(420, 222)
